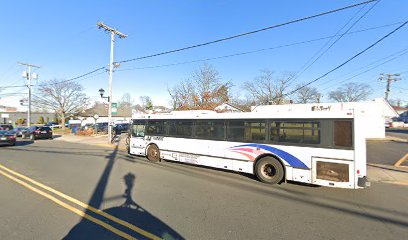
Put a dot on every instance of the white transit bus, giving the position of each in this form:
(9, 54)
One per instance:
(322, 148)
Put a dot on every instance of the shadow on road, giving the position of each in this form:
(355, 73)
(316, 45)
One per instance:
(129, 211)
(341, 205)
(24, 142)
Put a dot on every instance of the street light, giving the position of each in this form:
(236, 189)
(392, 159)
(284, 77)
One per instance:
(101, 92)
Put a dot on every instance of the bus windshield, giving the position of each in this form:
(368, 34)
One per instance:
(138, 129)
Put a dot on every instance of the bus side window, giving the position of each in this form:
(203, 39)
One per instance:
(181, 128)
(343, 133)
(247, 130)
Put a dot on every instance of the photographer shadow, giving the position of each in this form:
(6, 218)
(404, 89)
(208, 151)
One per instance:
(126, 221)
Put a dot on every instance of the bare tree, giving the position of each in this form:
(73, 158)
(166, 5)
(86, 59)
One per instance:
(62, 97)
(268, 88)
(350, 92)
(395, 102)
(307, 94)
(125, 105)
(203, 90)
(146, 102)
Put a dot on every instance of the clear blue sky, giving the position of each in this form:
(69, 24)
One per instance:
(61, 36)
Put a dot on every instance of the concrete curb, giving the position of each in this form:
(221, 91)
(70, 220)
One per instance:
(66, 139)
(388, 139)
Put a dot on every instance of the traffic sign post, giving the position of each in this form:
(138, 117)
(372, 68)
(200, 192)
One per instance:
(114, 108)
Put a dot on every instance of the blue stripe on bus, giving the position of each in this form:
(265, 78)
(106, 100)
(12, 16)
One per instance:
(289, 158)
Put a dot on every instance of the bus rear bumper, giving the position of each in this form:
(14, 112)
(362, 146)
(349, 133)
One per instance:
(363, 182)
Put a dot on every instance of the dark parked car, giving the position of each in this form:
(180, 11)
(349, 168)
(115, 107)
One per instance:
(102, 127)
(7, 137)
(36, 132)
(7, 127)
(121, 128)
(18, 131)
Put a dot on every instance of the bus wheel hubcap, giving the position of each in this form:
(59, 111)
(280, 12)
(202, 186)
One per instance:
(268, 170)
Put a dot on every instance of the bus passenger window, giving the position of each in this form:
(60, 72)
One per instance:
(343, 133)
(295, 132)
(181, 128)
(247, 130)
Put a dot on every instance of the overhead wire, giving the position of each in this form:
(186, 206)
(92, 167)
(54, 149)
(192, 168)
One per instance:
(323, 50)
(253, 51)
(218, 40)
(368, 70)
(247, 33)
(347, 61)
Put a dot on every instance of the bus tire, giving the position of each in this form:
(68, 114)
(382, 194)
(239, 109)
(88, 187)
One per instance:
(269, 170)
(153, 153)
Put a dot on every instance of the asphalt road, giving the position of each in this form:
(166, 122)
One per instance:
(397, 132)
(177, 201)
(385, 152)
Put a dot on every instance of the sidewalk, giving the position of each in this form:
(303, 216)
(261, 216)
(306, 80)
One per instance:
(376, 172)
(387, 174)
(100, 140)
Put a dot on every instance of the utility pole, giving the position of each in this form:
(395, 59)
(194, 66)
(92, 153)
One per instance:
(318, 97)
(29, 76)
(113, 32)
(389, 78)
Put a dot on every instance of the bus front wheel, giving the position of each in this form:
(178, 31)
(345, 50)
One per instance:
(153, 153)
(269, 170)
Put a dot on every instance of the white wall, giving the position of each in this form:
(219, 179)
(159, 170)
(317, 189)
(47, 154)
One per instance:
(373, 112)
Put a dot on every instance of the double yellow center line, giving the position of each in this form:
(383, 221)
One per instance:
(18, 178)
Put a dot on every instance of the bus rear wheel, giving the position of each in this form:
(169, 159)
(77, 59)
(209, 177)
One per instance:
(153, 153)
(269, 170)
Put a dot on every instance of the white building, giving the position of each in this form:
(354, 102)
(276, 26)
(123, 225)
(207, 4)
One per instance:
(226, 107)
(375, 112)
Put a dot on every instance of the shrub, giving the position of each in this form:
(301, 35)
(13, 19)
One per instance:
(86, 132)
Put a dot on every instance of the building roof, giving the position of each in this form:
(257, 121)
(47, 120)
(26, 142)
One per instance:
(399, 108)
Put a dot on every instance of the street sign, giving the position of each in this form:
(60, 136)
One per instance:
(114, 108)
(5, 115)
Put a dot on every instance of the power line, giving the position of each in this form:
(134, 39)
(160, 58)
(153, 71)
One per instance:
(12, 94)
(368, 70)
(254, 51)
(72, 79)
(9, 71)
(319, 53)
(14, 86)
(349, 60)
(248, 33)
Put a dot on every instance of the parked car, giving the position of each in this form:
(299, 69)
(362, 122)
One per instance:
(36, 132)
(7, 137)
(52, 125)
(18, 131)
(7, 127)
(102, 127)
(121, 128)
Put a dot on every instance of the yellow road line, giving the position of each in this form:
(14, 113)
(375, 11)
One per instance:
(69, 207)
(84, 205)
(403, 159)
